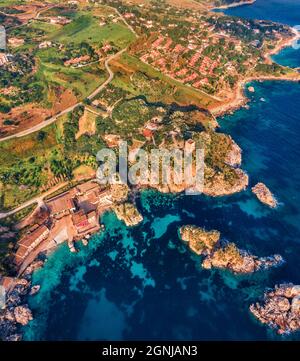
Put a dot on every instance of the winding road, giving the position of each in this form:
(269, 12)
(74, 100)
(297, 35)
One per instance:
(39, 199)
(71, 108)
(53, 119)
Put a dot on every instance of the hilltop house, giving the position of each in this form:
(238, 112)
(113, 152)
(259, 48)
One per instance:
(3, 59)
(45, 44)
(15, 42)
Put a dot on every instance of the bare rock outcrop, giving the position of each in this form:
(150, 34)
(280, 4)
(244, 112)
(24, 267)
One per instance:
(128, 213)
(280, 309)
(222, 254)
(264, 194)
(200, 241)
(16, 312)
(239, 261)
(34, 290)
(23, 315)
(220, 185)
(234, 156)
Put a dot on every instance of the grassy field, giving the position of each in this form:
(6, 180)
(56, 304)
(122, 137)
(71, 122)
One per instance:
(11, 2)
(82, 81)
(48, 28)
(21, 153)
(86, 28)
(17, 149)
(167, 89)
(30, 158)
(51, 71)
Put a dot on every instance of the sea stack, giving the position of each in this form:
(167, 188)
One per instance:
(264, 194)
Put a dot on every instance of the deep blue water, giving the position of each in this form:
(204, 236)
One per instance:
(282, 11)
(288, 57)
(143, 283)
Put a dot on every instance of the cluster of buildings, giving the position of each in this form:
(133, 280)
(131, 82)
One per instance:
(186, 44)
(111, 18)
(151, 127)
(80, 60)
(45, 44)
(70, 217)
(196, 68)
(5, 58)
(57, 20)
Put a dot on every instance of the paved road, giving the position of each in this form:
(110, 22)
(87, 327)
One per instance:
(41, 125)
(54, 118)
(110, 72)
(39, 200)
(125, 22)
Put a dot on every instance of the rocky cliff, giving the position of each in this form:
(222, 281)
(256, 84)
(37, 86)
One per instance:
(16, 312)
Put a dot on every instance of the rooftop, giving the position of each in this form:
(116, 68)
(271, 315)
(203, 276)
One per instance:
(61, 203)
(28, 239)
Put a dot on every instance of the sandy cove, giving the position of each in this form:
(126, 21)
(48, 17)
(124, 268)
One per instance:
(239, 98)
(284, 43)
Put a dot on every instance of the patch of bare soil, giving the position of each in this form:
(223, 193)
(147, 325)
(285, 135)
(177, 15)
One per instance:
(87, 124)
(21, 118)
(31, 114)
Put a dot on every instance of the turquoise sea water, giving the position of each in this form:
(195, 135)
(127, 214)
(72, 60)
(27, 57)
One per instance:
(143, 282)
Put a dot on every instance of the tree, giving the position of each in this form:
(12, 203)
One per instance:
(41, 136)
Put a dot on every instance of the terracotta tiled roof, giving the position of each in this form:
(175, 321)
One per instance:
(61, 204)
(85, 187)
(28, 239)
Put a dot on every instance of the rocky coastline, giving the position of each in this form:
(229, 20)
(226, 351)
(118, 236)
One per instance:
(239, 99)
(16, 312)
(220, 187)
(238, 261)
(222, 173)
(234, 5)
(222, 254)
(128, 213)
(280, 309)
